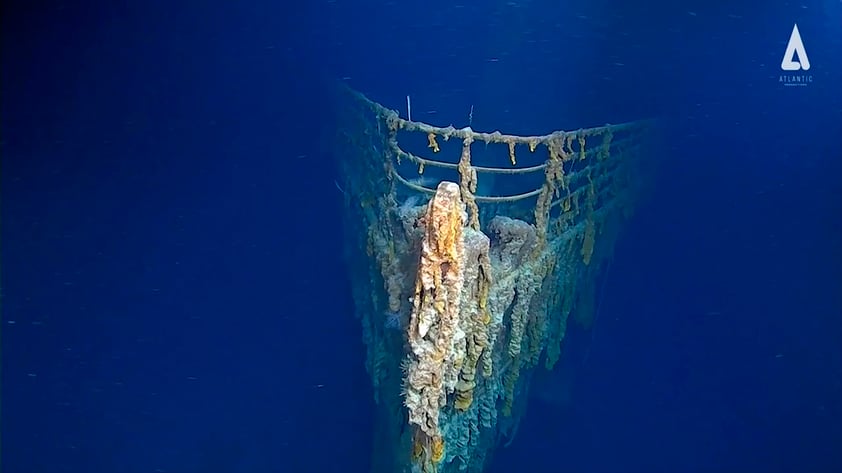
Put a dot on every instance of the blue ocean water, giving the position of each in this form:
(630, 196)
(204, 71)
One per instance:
(173, 292)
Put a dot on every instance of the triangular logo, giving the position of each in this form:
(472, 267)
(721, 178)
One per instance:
(795, 46)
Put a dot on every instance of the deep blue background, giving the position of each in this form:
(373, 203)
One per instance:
(173, 293)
